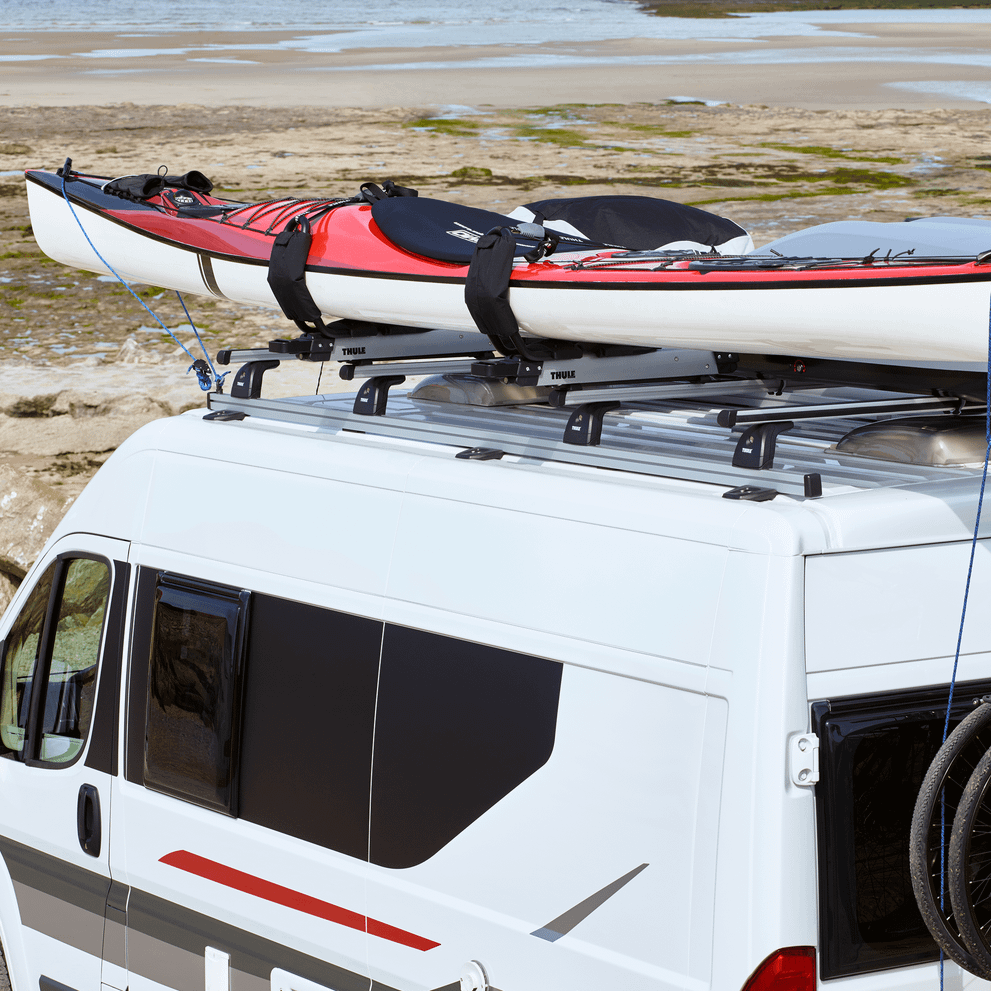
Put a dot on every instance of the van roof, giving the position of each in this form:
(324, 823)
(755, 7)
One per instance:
(670, 446)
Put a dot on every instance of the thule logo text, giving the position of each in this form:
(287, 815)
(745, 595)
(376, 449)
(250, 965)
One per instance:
(349, 351)
(562, 375)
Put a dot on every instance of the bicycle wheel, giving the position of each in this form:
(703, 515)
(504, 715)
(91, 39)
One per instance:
(940, 793)
(4, 975)
(969, 873)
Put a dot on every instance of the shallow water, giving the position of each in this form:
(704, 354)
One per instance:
(413, 24)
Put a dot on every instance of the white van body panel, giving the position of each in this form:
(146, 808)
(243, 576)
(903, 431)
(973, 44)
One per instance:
(692, 634)
(905, 604)
(47, 882)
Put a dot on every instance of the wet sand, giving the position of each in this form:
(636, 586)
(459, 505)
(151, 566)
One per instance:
(857, 68)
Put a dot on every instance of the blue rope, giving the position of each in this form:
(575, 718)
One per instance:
(218, 378)
(956, 656)
(198, 365)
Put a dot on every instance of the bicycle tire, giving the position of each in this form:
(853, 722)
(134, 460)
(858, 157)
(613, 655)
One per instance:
(4, 973)
(969, 874)
(944, 783)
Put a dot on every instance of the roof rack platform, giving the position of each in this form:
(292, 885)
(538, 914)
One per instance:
(761, 426)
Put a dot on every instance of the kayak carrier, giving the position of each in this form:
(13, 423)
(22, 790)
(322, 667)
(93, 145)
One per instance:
(749, 399)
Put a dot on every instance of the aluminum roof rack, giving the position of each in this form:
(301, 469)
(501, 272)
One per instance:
(593, 401)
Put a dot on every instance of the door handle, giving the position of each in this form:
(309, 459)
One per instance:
(88, 819)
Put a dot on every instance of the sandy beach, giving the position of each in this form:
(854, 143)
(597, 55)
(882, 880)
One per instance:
(789, 145)
(847, 67)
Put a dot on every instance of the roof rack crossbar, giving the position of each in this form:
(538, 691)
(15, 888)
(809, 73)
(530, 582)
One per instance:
(489, 429)
(444, 367)
(648, 392)
(824, 411)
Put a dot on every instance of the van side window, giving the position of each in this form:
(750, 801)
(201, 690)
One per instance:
(309, 709)
(50, 663)
(193, 700)
(333, 717)
(459, 726)
(875, 752)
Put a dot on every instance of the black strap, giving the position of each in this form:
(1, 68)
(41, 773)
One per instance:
(487, 299)
(287, 275)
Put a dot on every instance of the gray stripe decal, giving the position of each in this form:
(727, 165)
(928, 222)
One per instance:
(177, 926)
(66, 922)
(115, 944)
(165, 942)
(240, 981)
(565, 923)
(162, 962)
(115, 930)
(47, 984)
(64, 881)
(209, 279)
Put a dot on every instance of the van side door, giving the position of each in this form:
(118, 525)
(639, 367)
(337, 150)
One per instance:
(241, 872)
(59, 696)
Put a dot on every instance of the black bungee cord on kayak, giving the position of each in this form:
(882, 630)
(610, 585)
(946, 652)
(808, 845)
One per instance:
(206, 373)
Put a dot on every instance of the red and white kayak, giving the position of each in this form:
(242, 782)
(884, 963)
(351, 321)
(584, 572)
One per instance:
(404, 260)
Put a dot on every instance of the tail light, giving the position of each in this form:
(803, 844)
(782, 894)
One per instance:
(790, 969)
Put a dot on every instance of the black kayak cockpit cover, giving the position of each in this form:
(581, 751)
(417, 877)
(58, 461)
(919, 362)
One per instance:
(448, 232)
(642, 223)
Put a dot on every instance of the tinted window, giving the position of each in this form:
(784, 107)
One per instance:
(459, 726)
(193, 691)
(308, 715)
(874, 754)
(455, 726)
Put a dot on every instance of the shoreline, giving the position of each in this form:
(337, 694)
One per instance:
(854, 66)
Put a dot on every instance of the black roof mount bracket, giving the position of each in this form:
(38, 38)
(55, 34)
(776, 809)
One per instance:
(373, 397)
(756, 447)
(248, 380)
(584, 427)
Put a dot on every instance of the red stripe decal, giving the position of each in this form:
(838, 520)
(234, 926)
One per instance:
(271, 892)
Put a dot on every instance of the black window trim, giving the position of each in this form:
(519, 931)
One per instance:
(215, 590)
(883, 703)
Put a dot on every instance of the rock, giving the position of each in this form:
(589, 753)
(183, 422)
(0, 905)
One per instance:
(7, 589)
(29, 512)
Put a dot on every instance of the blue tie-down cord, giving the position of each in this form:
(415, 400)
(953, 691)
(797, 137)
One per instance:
(206, 373)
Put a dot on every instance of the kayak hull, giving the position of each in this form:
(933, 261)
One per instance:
(918, 313)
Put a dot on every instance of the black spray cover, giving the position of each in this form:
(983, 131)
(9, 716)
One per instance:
(447, 232)
(639, 222)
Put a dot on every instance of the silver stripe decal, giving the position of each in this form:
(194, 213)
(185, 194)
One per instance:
(115, 944)
(59, 878)
(567, 921)
(164, 963)
(60, 919)
(207, 273)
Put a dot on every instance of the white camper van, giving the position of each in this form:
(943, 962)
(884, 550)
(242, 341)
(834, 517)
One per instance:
(497, 685)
